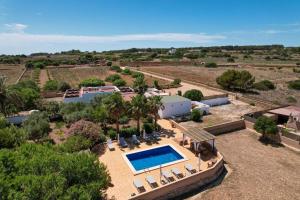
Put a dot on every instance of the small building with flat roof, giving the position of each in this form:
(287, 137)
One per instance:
(174, 106)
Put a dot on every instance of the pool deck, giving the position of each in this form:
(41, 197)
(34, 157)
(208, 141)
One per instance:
(122, 176)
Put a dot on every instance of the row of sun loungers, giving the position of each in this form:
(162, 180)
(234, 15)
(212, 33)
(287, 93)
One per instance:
(122, 142)
(166, 174)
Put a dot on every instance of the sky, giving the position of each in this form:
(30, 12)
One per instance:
(28, 26)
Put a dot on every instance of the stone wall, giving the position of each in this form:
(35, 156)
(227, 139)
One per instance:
(226, 127)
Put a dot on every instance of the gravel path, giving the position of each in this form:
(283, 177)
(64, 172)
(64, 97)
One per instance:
(259, 171)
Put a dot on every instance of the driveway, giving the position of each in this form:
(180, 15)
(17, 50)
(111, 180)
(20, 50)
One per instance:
(259, 171)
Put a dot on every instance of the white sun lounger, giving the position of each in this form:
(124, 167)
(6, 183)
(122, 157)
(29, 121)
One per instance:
(190, 168)
(177, 172)
(167, 175)
(151, 181)
(110, 145)
(135, 140)
(138, 184)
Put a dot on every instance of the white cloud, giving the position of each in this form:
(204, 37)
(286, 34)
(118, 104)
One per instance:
(273, 31)
(16, 28)
(18, 40)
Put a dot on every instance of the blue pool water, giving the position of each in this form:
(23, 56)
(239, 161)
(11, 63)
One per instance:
(153, 157)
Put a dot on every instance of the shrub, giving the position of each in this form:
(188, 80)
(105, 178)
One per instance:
(194, 95)
(295, 85)
(75, 143)
(126, 71)
(264, 85)
(295, 70)
(179, 93)
(11, 137)
(63, 86)
(86, 129)
(196, 115)
(176, 81)
(3, 122)
(136, 74)
(124, 120)
(92, 82)
(148, 127)
(112, 78)
(37, 125)
(236, 80)
(116, 68)
(128, 132)
(211, 65)
(41, 172)
(265, 125)
(112, 134)
(119, 82)
(230, 60)
(51, 85)
(291, 99)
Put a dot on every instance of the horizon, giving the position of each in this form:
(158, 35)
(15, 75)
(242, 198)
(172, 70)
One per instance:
(55, 26)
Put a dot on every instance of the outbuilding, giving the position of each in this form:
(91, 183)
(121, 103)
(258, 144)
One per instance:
(174, 106)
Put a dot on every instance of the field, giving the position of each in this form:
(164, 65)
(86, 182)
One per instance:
(259, 171)
(75, 75)
(12, 72)
(208, 76)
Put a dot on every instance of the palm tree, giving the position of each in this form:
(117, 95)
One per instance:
(154, 104)
(116, 107)
(140, 85)
(138, 108)
(8, 99)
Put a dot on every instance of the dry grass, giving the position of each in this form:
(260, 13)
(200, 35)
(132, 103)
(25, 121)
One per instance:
(260, 171)
(74, 76)
(208, 76)
(12, 72)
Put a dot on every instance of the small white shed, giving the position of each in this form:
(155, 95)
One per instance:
(174, 106)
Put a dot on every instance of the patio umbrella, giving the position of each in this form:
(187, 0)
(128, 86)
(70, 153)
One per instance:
(144, 134)
(160, 173)
(118, 137)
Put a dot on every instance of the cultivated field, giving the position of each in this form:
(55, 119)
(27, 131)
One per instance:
(208, 76)
(75, 75)
(12, 72)
(259, 171)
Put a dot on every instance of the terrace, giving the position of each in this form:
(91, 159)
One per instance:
(123, 175)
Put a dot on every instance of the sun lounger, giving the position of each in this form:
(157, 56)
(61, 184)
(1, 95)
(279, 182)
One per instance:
(190, 168)
(156, 135)
(177, 172)
(123, 143)
(135, 140)
(110, 145)
(151, 181)
(168, 176)
(138, 184)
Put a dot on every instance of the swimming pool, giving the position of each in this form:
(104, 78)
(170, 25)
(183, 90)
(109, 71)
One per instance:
(153, 158)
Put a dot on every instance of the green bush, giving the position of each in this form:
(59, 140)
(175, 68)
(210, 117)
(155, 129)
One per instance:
(264, 85)
(196, 115)
(211, 65)
(176, 81)
(291, 99)
(148, 127)
(295, 85)
(124, 120)
(63, 86)
(128, 132)
(92, 82)
(179, 93)
(126, 71)
(12, 136)
(112, 134)
(194, 95)
(75, 143)
(236, 80)
(116, 68)
(3, 121)
(265, 125)
(34, 171)
(112, 78)
(136, 74)
(51, 85)
(119, 83)
(37, 125)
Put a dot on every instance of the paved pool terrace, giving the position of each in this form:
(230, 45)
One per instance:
(122, 175)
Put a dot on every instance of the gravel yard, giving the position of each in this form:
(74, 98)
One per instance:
(259, 171)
